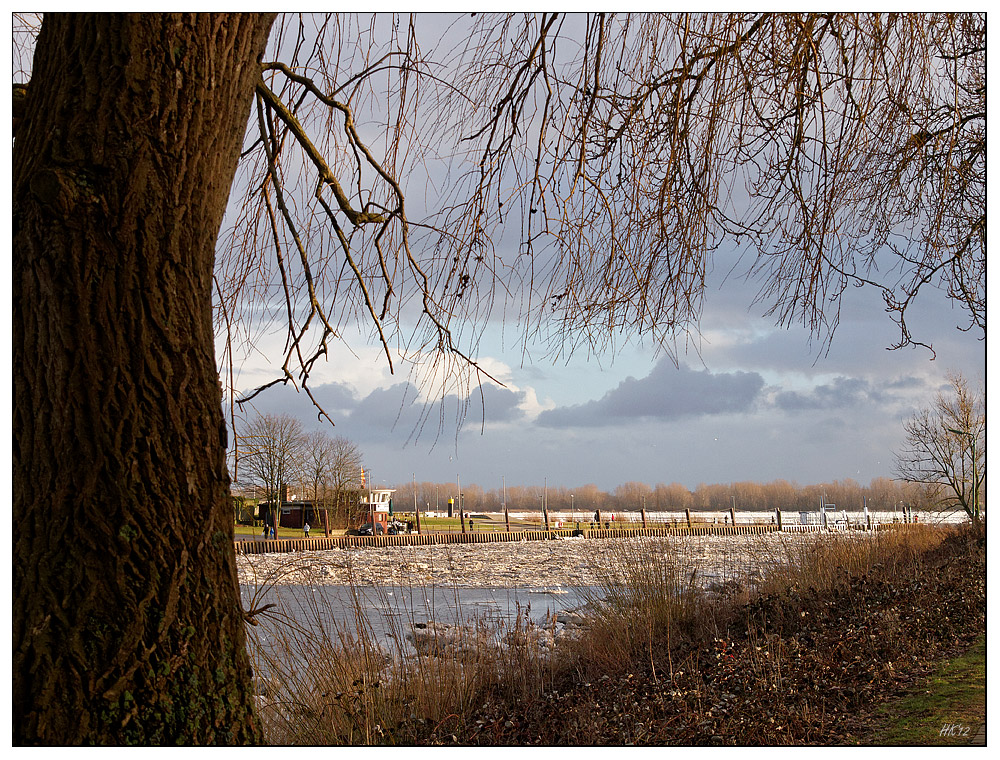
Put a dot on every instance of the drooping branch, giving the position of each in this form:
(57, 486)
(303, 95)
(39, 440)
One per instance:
(326, 174)
(812, 152)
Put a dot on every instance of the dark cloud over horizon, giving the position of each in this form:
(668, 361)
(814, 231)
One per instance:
(666, 393)
(842, 393)
(395, 413)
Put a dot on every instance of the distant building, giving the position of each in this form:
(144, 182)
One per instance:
(292, 514)
(377, 506)
(376, 503)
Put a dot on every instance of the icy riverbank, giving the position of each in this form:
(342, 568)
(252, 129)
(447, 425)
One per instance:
(549, 564)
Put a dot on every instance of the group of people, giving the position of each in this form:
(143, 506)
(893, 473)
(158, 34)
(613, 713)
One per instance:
(268, 531)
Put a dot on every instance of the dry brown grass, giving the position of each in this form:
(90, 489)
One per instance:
(826, 562)
(645, 602)
(650, 598)
(341, 684)
(333, 683)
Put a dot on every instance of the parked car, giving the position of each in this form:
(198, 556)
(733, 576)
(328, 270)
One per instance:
(366, 529)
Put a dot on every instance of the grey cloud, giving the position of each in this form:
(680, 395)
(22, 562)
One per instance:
(842, 393)
(391, 414)
(500, 404)
(905, 383)
(336, 399)
(386, 408)
(667, 393)
(396, 412)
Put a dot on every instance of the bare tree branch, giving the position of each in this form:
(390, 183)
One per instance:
(582, 174)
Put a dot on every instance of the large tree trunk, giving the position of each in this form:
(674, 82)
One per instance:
(127, 619)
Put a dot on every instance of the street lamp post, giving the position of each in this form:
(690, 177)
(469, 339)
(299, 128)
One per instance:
(975, 475)
(545, 502)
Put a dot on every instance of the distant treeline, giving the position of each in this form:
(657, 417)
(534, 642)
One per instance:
(882, 494)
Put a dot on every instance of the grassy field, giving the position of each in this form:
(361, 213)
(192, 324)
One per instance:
(436, 524)
(487, 523)
(478, 521)
(246, 530)
(948, 709)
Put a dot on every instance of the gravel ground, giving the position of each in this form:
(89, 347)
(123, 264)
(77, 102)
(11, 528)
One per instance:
(559, 562)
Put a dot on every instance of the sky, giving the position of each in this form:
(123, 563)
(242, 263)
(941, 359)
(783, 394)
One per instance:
(745, 400)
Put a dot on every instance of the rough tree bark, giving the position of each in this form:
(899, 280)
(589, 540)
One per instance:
(127, 619)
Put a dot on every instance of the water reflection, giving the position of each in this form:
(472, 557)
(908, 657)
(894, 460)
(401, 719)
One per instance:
(390, 611)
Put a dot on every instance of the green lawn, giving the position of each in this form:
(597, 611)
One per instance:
(452, 524)
(426, 523)
(949, 709)
(244, 530)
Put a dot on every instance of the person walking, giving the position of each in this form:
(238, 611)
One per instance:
(305, 529)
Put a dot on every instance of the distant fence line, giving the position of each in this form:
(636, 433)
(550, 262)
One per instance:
(266, 546)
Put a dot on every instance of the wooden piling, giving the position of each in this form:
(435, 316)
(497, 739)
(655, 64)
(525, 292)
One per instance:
(285, 545)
